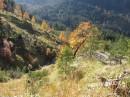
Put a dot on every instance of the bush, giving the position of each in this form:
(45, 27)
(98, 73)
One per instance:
(64, 60)
(15, 74)
(120, 47)
(4, 76)
(38, 75)
(35, 81)
(127, 81)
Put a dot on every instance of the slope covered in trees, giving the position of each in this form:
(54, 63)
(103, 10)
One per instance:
(108, 14)
(22, 41)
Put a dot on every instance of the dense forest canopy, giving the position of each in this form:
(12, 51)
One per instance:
(109, 14)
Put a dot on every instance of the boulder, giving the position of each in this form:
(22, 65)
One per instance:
(5, 49)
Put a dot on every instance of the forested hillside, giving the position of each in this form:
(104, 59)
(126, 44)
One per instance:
(112, 14)
(121, 6)
(31, 42)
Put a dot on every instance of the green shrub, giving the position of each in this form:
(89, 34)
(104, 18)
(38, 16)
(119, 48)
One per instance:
(15, 74)
(64, 60)
(38, 75)
(4, 76)
(127, 81)
(120, 47)
(35, 80)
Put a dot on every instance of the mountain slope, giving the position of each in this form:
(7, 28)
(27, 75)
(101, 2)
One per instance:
(88, 62)
(112, 14)
(31, 45)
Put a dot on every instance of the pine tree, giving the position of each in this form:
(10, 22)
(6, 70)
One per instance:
(64, 60)
(9, 5)
(120, 47)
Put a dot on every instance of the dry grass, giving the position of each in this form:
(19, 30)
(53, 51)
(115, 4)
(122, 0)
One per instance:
(68, 87)
(13, 87)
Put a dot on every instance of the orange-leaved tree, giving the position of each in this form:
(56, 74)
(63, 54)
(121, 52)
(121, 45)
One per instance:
(62, 37)
(80, 35)
(2, 4)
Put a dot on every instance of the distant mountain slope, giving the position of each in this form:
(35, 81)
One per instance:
(41, 2)
(121, 6)
(116, 5)
(38, 4)
(112, 14)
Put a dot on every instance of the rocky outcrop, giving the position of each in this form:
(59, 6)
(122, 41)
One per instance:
(6, 49)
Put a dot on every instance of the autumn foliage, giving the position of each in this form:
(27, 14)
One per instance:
(62, 37)
(26, 16)
(79, 34)
(18, 10)
(2, 4)
(45, 26)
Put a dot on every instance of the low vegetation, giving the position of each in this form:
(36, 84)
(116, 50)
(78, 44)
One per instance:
(65, 60)
(35, 80)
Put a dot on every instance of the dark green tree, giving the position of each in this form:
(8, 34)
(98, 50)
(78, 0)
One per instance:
(9, 5)
(92, 43)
